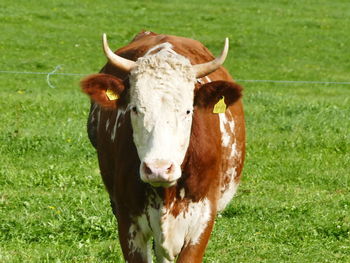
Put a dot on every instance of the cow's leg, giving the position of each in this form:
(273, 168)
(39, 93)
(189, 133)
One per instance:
(134, 243)
(194, 253)
(160, 254)
(114, 207)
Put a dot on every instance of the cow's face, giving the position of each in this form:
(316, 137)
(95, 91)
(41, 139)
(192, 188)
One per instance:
(161, 100)
(161, 107)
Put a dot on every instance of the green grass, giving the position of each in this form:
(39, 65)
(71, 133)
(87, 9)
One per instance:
(294, 201)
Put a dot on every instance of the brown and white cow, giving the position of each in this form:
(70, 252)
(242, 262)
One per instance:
(168, 162)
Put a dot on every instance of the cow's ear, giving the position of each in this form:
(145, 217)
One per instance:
(104, 89)
(209, 94)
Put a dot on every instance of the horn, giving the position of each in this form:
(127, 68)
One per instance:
(120, 62)
(204, 69)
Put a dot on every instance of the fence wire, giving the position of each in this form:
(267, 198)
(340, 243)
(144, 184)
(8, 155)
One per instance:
(58, 67)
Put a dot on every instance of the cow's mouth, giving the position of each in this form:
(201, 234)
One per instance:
(164, 184)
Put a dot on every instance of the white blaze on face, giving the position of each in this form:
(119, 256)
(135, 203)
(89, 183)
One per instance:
(161, 102)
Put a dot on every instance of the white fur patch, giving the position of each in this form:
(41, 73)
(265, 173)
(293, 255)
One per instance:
(139, 235)
(107, 124)
(204, 80)
(94, 107)
(114, 131)
(225, 135)
(170, 233)
(165, 45)
(230, 190)
(182, 193)
(229, 186)
(162, 90)
(184, 229)
(120, 114)
(207, 79)
(233, 150)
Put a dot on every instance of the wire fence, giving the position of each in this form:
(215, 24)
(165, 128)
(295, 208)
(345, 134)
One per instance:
(58, 67)
(48, 74)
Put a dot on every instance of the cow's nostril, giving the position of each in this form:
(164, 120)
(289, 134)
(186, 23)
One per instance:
(158, 168)
(170, 169)
(146, 169)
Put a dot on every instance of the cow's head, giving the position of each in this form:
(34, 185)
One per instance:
(161, 98)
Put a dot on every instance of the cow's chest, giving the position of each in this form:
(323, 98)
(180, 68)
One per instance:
(172, 225)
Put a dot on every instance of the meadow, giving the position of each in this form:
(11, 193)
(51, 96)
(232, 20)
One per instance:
(294, 201)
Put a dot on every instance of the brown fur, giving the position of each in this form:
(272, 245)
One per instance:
(96, 86)
(209, 94)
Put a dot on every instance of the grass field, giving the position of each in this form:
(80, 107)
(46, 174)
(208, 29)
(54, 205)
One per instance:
(294, 201)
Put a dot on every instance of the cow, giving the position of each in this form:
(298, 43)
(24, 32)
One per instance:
(167, 123)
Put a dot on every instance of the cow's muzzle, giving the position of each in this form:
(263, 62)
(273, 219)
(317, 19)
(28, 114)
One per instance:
(159, 173)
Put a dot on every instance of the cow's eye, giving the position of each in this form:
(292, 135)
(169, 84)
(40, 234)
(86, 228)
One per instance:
(134, 109)
(188, 112)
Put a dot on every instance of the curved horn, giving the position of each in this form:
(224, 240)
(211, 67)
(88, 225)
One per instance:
(120, 62)
(204, 69)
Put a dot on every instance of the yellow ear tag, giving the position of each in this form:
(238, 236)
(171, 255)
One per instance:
(111, 95)
(220, 106)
